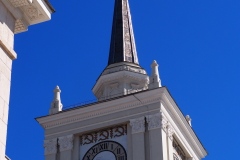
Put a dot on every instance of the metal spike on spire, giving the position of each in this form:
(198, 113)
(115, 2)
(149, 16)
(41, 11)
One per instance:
(122, 48)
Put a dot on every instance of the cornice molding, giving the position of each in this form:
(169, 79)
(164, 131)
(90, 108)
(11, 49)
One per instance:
(132, 101)
(27, 12)
(124, 74)
(98, 110)
(182, 124)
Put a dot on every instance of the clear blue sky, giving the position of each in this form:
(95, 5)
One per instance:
(196, 43)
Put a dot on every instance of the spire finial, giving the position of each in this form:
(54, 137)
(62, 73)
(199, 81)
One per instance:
(155, 81)
(122, 48)
(189, 120)
(56, 105)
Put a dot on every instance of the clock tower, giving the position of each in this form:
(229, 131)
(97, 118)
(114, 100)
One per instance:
(135, 118)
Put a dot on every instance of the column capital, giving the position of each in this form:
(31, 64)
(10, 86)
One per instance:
(156, 121)
(138, 125)
(50, 146)
(65, 143)
(170, 131)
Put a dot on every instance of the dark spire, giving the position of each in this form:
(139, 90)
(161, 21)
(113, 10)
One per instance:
(122, 47)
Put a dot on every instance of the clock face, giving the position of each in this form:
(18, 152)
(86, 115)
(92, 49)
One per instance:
(105, 144)
(107, 150)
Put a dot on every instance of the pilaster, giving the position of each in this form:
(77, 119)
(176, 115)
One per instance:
(50, 150)
(65, 147)
(157, 127)
(170, 133)
(138, 129)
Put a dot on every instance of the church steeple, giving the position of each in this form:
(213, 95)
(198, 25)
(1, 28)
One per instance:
(122, 48)
(123, 75)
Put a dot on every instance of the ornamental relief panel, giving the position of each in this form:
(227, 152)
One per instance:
(138, 125)
(65, 143)
(156, 121)
(32, 12)
(19, 3)
(19, 26)
(103, 135)
(137, 88)
(50, 146)
(128, 48)
(124, 68)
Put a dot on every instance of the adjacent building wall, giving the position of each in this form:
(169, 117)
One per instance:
(6, 38)
(14, 19)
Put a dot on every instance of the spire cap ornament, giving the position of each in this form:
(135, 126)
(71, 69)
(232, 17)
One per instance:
(189, 120)
(154, 64)
(56, 105)
(155, 81)
(57, 89)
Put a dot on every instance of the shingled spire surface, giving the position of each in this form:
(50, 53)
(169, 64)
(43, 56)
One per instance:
(122, 48)
(123, 75)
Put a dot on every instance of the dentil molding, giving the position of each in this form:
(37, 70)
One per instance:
(50, 146)
(65, 143)
(138, 125)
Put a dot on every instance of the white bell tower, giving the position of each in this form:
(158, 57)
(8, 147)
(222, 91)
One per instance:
(15, 17)
(135, 118)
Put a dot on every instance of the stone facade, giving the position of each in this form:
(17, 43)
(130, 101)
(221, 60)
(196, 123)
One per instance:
(11, 22)
(151, 126)
(6, 41)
